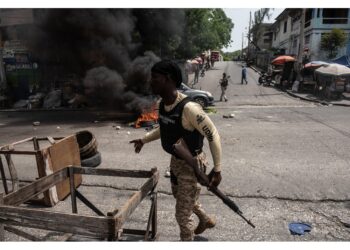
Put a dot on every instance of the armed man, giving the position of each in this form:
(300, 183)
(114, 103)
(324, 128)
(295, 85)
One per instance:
(180, 118)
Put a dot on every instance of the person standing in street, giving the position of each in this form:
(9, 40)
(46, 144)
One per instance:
(196, 73)
(244, 75)
(179, 117)
(223, 85)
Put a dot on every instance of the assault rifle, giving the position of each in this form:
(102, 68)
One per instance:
(184, 153)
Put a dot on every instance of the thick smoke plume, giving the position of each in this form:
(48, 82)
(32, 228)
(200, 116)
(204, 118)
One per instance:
(105, 48)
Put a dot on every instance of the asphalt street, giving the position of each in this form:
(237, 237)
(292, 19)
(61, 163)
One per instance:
(284, 160)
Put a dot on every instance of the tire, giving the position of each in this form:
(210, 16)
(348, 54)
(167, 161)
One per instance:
(146, 124)
(87, 144)
(93, 161)
(200, 100)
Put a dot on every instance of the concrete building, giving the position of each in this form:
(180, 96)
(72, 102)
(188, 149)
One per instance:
(286, 30)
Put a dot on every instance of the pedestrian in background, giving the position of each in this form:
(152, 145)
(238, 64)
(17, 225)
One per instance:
(196, 73)
(244, 75)
(223, 85)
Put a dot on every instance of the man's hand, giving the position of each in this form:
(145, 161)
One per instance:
(138, 144)
(214, 179)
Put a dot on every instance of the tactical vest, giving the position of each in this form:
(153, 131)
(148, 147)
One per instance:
(171, 129)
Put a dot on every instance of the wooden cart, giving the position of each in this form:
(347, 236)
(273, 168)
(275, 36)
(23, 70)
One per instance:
(103, 226)
(63, 152)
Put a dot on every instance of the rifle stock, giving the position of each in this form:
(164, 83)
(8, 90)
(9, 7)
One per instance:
(184, 153)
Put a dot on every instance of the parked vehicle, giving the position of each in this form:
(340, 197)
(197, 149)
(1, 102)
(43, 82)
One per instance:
(265, 79)
(204, 98)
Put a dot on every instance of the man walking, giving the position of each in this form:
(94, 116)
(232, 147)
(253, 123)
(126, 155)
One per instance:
(244, 75)
(181, 118)
(223, 85)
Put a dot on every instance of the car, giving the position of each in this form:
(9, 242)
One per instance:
(204, 98)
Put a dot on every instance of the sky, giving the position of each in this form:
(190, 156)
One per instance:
(240, 18)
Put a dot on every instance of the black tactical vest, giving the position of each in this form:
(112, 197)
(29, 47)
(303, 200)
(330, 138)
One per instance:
(171, 129)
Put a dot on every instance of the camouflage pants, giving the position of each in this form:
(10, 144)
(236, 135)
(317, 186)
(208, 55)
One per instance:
(186, 191)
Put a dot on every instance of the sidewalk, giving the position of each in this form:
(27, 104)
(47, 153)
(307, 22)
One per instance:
(345, 101)
(310, 97)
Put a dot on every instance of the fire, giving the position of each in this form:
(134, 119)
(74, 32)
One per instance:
(147, 116)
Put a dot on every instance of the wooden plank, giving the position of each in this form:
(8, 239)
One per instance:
(62, 154)
(134, 231)
(50, 196)
(155, 217)
(150, 219)
(17, 152)
(51, 140)
(35, 188)
(114, 172)
(12, 169)
(69, 223)
(72, 191)
(3, 177)
(22, 141)
(36, 144)
(113, 235)
(128, 208)
(45, 138)
(21, 233)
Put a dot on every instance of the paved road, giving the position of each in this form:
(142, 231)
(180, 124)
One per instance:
(283, 160)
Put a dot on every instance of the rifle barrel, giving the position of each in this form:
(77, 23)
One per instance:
(230, 203)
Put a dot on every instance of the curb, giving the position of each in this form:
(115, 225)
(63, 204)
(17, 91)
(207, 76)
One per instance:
(317, 101)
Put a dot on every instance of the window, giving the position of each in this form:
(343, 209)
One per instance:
(335, 16)
(295, 23)
(285, 27)
(308, 17)
(267, 40)
(318, 13)
(295, 43)
(307, 39)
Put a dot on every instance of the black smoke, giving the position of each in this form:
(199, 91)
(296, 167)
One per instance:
(110, 50)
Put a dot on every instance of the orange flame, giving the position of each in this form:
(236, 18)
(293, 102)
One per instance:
(148, 115)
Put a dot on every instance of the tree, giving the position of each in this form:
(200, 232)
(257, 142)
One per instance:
(182, 33)
(259, 17)
(230, 56)
(331, 42)
(205, 29)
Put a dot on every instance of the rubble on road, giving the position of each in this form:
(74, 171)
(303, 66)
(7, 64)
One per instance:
(229, 116)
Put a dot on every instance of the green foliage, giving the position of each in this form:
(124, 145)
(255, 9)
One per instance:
(331, 42)
(259, 17)
(205, 29)
(229, 56)
(182, 33)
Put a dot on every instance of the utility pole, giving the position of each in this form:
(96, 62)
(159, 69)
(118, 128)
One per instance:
(298, 64)
(242, 45)
(250, 20)
(301, 36)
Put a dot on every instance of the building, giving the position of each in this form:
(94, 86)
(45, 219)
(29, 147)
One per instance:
(17, 72)
(286, 30)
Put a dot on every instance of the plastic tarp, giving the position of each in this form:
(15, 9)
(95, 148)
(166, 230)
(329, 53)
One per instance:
(343, 60)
